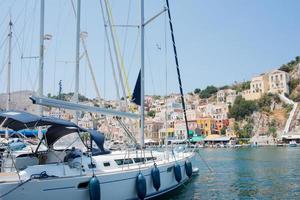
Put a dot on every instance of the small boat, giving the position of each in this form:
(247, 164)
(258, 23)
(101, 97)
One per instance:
(293, 143)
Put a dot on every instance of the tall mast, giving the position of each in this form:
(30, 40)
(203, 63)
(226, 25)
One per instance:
(77, 58)
(9, 66)
(142, 110)
(41, 60)
(8, 71)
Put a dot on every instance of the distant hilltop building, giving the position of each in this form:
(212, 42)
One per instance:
(275, 82)
(226, 96)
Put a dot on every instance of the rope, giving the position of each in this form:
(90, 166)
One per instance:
(204, 161)
(178, 71)
(42, 175)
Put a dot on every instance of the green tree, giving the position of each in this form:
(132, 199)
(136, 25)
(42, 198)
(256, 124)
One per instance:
(197, 91)
(272, 128)
(236, 129)
(247, 131)
(242, 108)
(151, 113)
(223, 131)
(224, 87)
(294, 82)
(265, 102)
(208, 92)
(239, 87)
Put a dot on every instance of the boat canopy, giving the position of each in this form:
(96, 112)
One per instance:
(57, 128)
(18, 120)
(56, 132)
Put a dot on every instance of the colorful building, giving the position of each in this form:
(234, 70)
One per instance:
(207, 125)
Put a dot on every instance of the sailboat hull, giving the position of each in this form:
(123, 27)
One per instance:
(116, 185)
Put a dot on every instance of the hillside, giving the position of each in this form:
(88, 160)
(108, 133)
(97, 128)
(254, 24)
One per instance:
(266, 112)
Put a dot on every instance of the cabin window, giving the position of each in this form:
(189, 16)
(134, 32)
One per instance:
(151, 158)
(124, 161)
(138, 160)
(106, 164)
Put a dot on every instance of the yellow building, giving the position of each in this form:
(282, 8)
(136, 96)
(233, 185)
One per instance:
(259, 85)
(206, 124)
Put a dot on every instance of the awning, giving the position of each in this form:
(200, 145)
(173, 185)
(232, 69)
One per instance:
(197, 139)
(291, 137)
(216, 138)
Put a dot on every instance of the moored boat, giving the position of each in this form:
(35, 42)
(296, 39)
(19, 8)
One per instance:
(57, 173)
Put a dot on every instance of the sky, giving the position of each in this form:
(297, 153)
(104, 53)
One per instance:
(218, 42)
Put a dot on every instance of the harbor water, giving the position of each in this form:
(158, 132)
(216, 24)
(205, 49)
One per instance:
(244, 173)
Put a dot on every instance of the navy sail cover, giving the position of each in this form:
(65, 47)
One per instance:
(136, 97)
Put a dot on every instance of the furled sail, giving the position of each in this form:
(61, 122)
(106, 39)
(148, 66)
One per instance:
(136, 97)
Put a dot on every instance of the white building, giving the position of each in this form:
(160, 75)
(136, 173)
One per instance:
(278, 82)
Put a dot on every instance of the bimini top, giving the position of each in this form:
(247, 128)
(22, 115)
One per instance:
(57, 128)
(18, 120)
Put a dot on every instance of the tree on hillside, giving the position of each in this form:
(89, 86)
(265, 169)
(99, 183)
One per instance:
(265, 102)
(239, 87)
(197, 91)
(224, 87)
(242, 108)
(236, 129)
(272, 128)
(290, 66)
(208, 92)
(151, 113)
(294, 82)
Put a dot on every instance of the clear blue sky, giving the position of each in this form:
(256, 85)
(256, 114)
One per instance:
(218, 42)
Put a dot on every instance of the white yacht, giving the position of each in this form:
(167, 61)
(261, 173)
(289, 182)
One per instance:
(70, 173)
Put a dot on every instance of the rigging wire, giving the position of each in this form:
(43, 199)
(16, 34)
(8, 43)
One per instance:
(166, 77)
(126, 28)
(22, 45)
(150, 67)
(57, 41)
(134, 52)
(178, 70)
(29, 77)
(118, 51)
(104, 67)
(109, 50)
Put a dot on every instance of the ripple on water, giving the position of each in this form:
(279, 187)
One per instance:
(247, 173)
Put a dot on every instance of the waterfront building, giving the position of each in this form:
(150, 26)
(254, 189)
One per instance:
(207, 125)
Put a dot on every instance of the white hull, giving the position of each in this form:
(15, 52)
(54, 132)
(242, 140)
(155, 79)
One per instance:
(114, 185)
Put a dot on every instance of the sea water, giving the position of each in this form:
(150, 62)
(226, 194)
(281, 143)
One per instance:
(244, 173)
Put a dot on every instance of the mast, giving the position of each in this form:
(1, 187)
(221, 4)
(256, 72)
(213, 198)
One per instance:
(142, 110)
(41, 60)
(9, 66)
(8, 71)
(77, 58)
